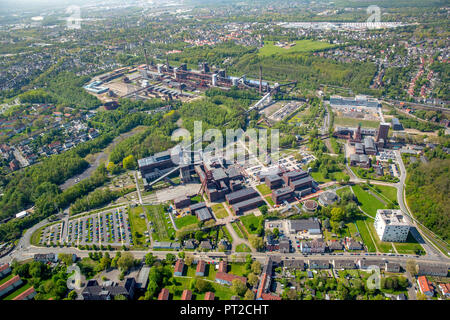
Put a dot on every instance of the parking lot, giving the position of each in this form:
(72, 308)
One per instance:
(104, 228)
(51, 234)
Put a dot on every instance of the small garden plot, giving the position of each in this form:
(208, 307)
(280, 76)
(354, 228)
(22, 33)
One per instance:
(264, 189)
(220, 211)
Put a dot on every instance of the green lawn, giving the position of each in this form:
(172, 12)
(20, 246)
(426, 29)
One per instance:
(185, 221)
(251, 222)
(238, 269)
(353, 122)
(180, 283)
(220, 211)
(18, 291)
(137, 224)
(318, 176)
(269, 200)
(385, 247)
(301, 46)
(237, 230)
(264, 189)
(365, 235)
(243, 248)
(161, 223)
(197, 199)
(411, 246)
(2, 281)
(387, 193)
(369, 204)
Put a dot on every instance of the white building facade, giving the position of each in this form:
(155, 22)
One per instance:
(391, 225)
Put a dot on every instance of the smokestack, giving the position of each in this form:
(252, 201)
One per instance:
(260, 79)
(167, 63)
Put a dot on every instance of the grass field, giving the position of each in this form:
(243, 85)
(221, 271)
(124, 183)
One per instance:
(301, 46)
(251, 222)
(264, 189)
(269, 200)
(369, 204)
(411, 246)
(161, 223)
(181, 283)
(243, 248)
(385, 247)
(352, 122)
(387, 193)
(365, 235)
(220, 211)
(333, 176)
(238, 230)
(137, 225)
(185, 221)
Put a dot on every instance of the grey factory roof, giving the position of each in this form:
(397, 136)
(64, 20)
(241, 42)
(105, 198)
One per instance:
(241, 193)
(203, 214)
(282, 191)
(197, 206)
(304, 224)
(301, 181)
(239, 205)
(157, 157)
(273, 177)
(219, 174)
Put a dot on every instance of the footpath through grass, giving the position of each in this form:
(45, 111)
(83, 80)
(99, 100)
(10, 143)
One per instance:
(368, 203)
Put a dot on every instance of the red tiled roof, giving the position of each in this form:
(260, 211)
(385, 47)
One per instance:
(4, 267)
(262, 284)
(209, 295)
(25, 294)
(445, 287)
(269, 296)
(187, 295)
(164, 294)
(201, 266)
(229, 277)
(9, 282)
(424, 284)
(222, 266)
(179, 266)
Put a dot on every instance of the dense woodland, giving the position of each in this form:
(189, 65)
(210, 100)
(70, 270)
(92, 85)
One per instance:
(427, 191)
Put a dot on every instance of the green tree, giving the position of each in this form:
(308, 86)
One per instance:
(125, 262)
(129, 162)
(238, 287)
(249, 295)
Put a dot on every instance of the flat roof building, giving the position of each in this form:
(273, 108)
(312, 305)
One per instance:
(391, 225)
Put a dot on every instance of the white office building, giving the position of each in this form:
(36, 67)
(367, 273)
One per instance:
(391, 225)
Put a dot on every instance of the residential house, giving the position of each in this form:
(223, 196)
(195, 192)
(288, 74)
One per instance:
(343, 264)
(164, 294)
(445, 289)
(209, 295)
(201, 266)
(179, 266)
(425, 286)
(432, 269)
(186, 295)
(227, 278)
(318, 264)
